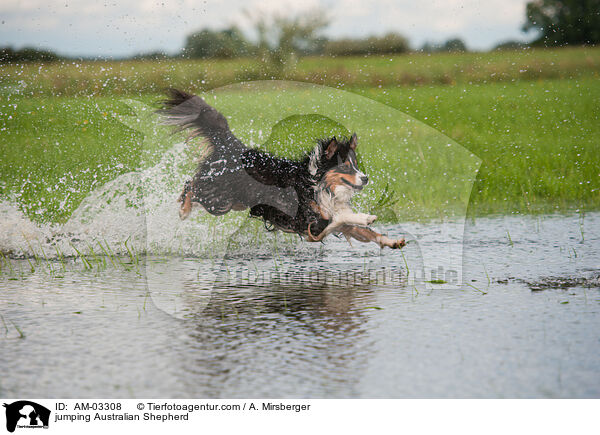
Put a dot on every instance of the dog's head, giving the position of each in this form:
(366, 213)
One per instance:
(337, 164)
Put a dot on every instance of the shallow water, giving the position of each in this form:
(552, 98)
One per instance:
(273, 323)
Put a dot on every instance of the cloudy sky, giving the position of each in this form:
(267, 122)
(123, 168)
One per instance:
(125, 27)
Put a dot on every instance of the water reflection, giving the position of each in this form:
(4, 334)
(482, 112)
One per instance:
(277, 338)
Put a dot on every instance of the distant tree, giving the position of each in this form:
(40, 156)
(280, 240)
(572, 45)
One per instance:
(454, 44)
(430, 47)
(564, 22)
(511, 45)
(27, 54)
(281, 39)
(152, 55)
(7, 54)
(391, 43)
(208, 43)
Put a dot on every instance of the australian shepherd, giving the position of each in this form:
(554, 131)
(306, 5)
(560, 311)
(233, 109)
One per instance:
(310, 197)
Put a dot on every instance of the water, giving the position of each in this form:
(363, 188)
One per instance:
(525, 324)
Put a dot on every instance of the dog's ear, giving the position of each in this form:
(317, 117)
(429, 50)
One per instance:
(353, 141)
(331, 148)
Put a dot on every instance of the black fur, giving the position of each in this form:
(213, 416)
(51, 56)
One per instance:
(280, 191)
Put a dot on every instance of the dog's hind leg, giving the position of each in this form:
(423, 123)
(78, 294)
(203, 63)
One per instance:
(186, 206)
(186, 201)
(367, 235)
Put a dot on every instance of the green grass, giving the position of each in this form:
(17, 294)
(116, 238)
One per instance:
(539, 140)
(55, 150)
(56, 166)
(532, 117)
(416, 69)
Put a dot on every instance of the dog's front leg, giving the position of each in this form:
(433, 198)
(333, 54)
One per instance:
(351, 218)
(342, 220)
(367, 235)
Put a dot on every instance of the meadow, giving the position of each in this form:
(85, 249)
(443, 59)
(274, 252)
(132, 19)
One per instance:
(531, 116)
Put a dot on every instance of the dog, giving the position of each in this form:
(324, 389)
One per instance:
(310, 197)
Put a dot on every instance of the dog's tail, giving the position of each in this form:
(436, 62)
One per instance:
(190, 112)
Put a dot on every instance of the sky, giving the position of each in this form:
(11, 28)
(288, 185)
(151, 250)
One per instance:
(124, 27)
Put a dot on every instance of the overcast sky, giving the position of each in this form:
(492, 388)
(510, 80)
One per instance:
(125, 27)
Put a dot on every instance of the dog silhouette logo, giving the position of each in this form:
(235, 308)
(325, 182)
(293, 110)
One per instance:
(26, 414)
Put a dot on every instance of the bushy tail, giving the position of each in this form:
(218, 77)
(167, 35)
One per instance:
(186, 111)
(176, 97)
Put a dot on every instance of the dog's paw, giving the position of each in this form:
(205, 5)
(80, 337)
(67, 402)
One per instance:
(370, 219)
(391, 243)
(184, 213)
(398, 244)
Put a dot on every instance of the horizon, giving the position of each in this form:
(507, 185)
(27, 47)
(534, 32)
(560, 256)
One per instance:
(97, 30)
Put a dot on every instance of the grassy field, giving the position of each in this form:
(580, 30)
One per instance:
(143, 77)
(539, 141)
(531, 116)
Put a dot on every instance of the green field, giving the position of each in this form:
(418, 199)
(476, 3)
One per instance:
(531, 116)
(135, 78)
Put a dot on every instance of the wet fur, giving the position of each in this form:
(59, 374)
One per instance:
(310, 197)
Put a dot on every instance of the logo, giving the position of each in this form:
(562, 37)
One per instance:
(26, 414)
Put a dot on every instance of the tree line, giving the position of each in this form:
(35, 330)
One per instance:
(555, 22)
(231, 43)
(282, 39)
(27, 54)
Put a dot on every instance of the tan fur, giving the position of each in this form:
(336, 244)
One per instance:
(186, 206)
(366, 235)
(333, 203)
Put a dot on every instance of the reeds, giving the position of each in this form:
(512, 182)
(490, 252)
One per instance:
(97, 256)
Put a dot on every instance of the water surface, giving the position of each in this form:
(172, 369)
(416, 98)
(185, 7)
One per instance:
(525, 323)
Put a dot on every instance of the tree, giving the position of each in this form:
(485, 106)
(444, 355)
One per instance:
(511, 45)
(281, 39)
(451, 45)
(430, 47)
(564, 22)
(208, 43)
(454, 44)
(27, 54)
(390, 43)
(152, 55)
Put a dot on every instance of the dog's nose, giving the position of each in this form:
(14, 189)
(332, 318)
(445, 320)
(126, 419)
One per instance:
(364, 179)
